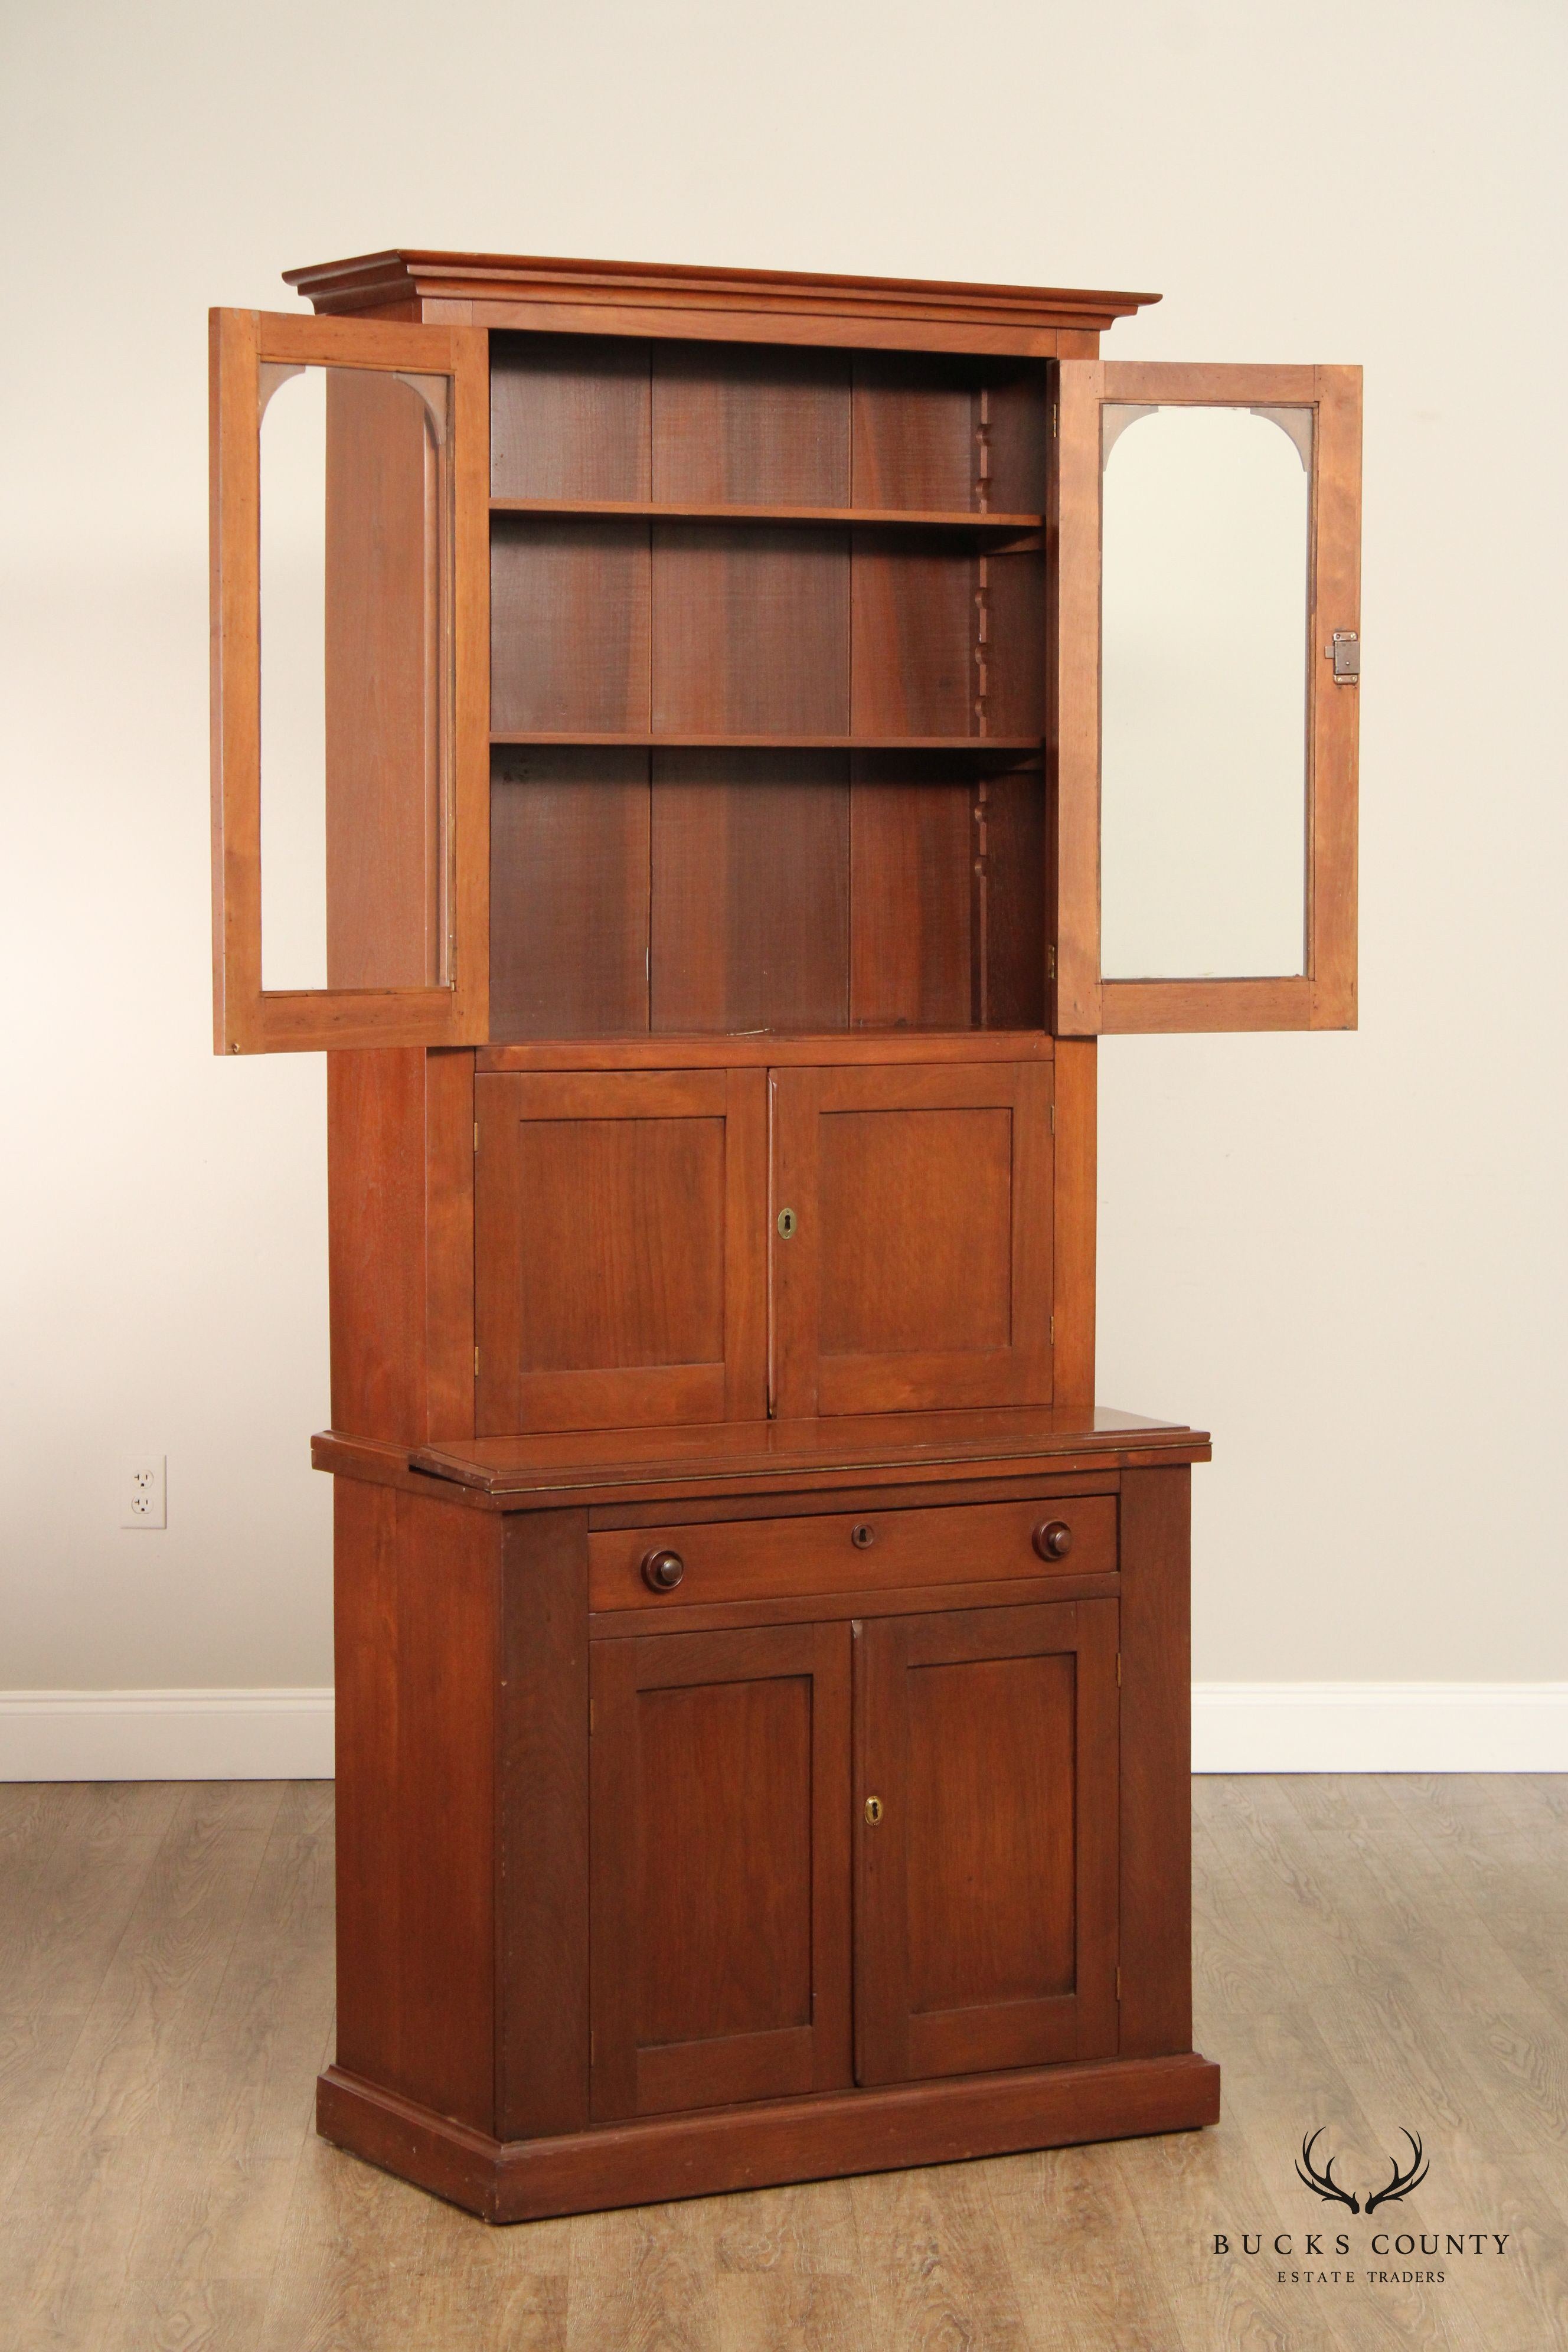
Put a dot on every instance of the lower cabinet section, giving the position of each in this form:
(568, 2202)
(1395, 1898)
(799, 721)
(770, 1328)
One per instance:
(883, 1860)
(982, 1815)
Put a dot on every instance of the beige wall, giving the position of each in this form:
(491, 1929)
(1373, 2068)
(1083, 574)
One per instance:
(1344, 1254)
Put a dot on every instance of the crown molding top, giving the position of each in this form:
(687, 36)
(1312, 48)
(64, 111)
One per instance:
(406, 276)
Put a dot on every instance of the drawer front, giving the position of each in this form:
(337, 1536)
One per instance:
(761, 1559)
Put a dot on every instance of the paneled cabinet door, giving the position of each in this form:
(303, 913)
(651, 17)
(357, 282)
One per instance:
(1208, 655)
(721, 1868)
(351, 683)
(985, 1784)
(911, 1237)
(619, 1248)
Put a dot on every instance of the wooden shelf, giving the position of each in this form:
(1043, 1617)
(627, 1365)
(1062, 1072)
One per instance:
(772, 1048)
(980, 744)
(878, 517)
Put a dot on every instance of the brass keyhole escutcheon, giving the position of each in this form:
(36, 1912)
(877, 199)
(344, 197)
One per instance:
(787, 1221)
(873, 1810)
(862, 1537)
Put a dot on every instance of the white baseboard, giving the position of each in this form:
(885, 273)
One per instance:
(1380, 1726)
(287, 1735)
(166, 1734)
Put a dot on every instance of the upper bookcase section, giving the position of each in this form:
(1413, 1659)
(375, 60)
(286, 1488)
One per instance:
(764, 306)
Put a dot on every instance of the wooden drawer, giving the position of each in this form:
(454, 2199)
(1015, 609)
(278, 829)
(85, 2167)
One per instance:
(761, 1559)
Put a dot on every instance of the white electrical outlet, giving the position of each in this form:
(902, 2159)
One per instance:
(143, 1490)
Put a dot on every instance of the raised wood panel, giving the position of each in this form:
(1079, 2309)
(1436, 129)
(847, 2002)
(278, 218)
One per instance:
(915, 1212)
(400, 1175)
(751, 630)
(569, 839)
(760, 1558)
(751, 890)
(721, 1878)
(620, 1254)
(569, 626)
(986, 1888)
(919, 1271)
(569, 417)
(751, 428)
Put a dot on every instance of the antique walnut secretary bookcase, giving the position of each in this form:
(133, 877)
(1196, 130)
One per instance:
(707, 754)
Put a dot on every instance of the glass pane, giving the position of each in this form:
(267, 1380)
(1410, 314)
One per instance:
(1204, 717)
(356, 695)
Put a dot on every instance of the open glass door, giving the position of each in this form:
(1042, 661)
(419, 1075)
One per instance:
(350, 530)
(1206, 660)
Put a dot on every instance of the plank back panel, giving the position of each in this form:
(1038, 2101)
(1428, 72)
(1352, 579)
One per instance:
(751, 630)
(749, 425)
(569, 625)
(569, 892)
(569, 417)
(751, 890)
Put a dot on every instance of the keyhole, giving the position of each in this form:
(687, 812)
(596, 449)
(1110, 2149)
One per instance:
(873, 1810)
(786, 1222)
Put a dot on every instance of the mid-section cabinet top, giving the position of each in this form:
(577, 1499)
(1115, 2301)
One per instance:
(779, 306)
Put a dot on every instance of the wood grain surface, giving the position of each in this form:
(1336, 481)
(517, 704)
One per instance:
(1367, 1948)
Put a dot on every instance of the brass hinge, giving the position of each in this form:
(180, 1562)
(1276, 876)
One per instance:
(1050, 963)
(1053, 1119)
(1053, 416)
(475, 1135)
(476, 1363)
(1053, 1331)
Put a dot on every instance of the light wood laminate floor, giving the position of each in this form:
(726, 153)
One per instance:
(1371, 1954)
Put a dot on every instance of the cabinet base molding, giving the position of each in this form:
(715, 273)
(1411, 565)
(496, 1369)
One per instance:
(760, 2145)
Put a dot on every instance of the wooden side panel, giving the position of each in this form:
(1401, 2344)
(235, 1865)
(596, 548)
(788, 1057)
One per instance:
(569, 626)
(1156, 1763)
(918, 1272)
(985, 1840)
(915, 634)
(569, 417)
(400, 1174)
(1076, 1211)
(751, 631)
(1012, 841)
(721, 1868)
(620, 1249)
(739, 428)
(569, 892)
(541, 1860)
(1073, 749)
(751, 890)
(416, 1617)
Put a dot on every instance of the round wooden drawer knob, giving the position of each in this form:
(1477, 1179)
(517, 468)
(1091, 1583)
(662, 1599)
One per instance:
(862, 1537)
(1053, 1540)
(663, 1570)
